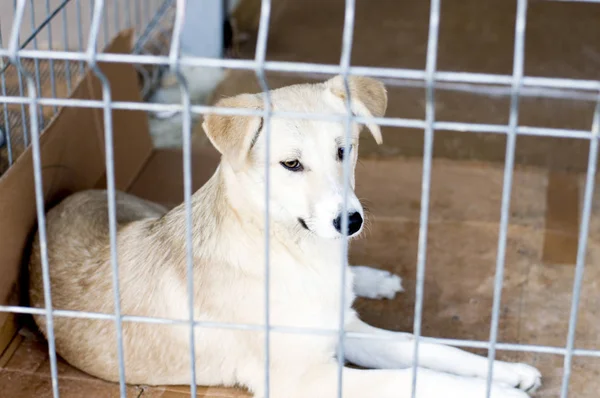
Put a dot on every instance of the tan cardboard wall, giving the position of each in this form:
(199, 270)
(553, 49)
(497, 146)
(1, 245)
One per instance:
(72, 152)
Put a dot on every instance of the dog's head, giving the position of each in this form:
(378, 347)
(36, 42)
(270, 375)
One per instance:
(306, 168)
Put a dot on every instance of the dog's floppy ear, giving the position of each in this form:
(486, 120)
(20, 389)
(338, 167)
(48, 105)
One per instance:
(234, 135)
(368, 98)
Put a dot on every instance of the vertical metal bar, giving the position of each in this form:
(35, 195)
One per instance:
(260, 57)
(5, 110)
(511, 143)
(80, 34)
(138, 15)
(117, 6)
(431, 64)
(91, 54)
(65, 34)
(21, 90)
(51, 61)
(146, 12)
(345, 60)
(128, 20)
(92, 8)
(187, 178)
(582, 248)
(36, 63)
(39, 191)
(105, 27)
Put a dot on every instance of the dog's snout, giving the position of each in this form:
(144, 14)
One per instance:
(355, 221)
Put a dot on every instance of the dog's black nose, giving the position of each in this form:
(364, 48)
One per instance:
(355, 221)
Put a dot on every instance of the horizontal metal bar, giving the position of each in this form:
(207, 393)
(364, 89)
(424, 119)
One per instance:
(382, 121)
(552, 82)
(481, 89)
(301, 67)
(575, 1)
(475, 344)
(503, 129)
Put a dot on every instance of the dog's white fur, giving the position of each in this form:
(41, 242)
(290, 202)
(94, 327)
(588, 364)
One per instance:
(228, 271)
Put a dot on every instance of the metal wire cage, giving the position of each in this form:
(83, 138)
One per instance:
(60, 26)
(159, 24)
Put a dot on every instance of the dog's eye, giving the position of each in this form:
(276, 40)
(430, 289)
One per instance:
(341, 152)
(293, 165)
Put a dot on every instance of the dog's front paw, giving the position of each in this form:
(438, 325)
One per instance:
(530, 379)
(519, 375)
(375, 283)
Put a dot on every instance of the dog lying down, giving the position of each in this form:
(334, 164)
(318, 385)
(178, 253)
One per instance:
(228, 245)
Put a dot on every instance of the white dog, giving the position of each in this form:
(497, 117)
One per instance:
(228, 272)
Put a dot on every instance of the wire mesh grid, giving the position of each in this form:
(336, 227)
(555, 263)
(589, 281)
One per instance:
(29, 103)
(54, 25)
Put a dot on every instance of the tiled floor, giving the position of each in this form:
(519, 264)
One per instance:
(463, 235)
